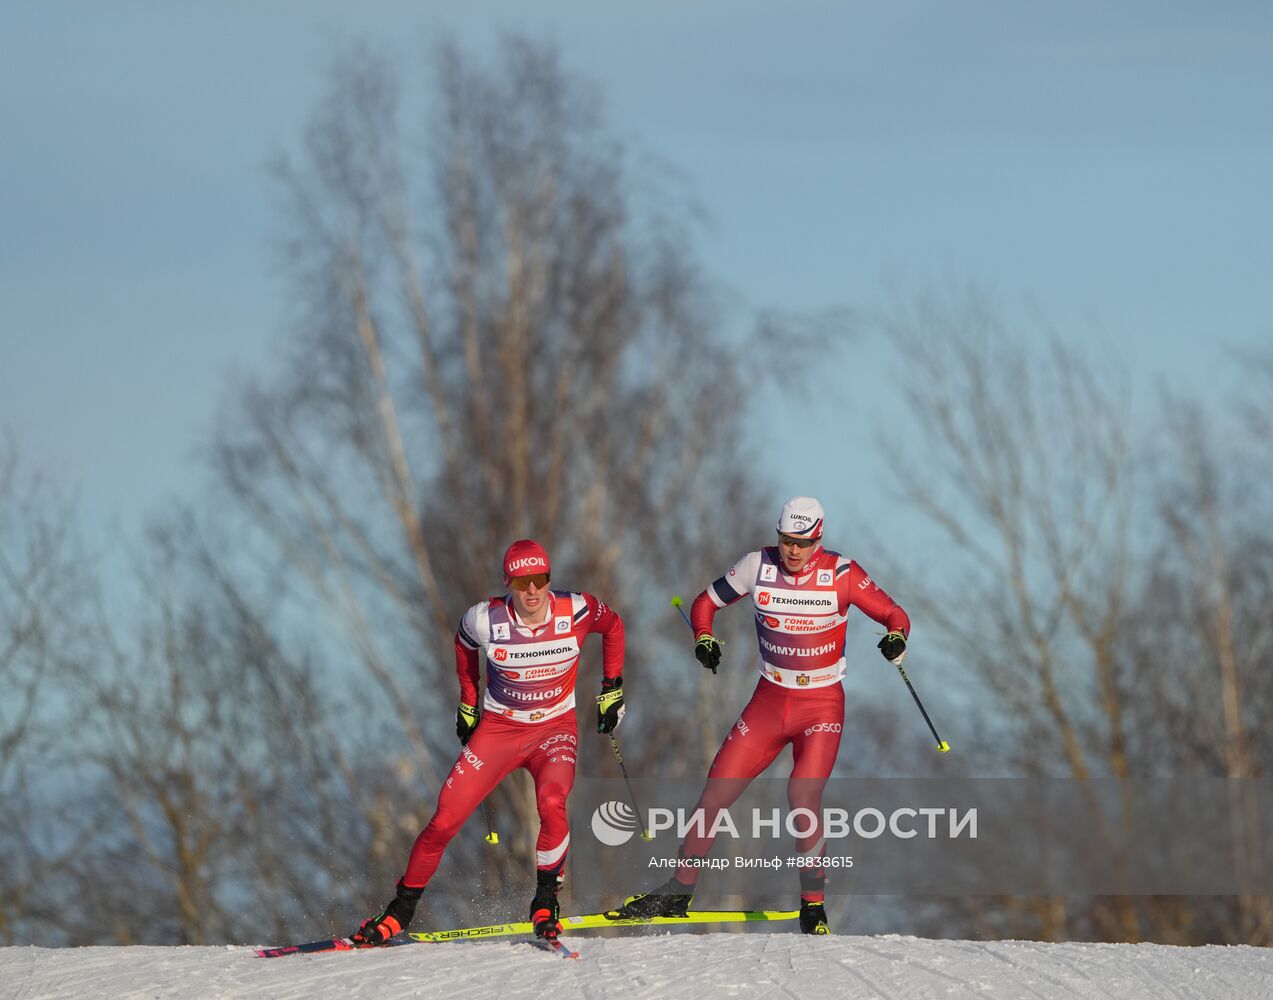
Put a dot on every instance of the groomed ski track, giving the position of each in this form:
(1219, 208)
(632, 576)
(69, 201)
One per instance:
(697, 966)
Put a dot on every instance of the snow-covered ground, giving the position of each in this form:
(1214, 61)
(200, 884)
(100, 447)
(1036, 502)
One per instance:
(678, 965)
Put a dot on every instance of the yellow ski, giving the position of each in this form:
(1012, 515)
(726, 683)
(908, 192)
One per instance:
(588, 921)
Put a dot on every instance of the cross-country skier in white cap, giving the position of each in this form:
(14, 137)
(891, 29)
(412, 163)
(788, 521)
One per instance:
(801, 594)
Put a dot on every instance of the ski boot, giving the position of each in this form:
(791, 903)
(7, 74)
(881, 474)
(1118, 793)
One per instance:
(671, 899)
(543, 908)
(395, 919)
(813, 918)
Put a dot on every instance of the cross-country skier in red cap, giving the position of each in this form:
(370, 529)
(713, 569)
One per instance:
(532, 637)
(801, 594)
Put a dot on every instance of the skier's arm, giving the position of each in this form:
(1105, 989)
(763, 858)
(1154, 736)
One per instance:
(858, 589)
(467, 644)
(605, 620)
(733, 586)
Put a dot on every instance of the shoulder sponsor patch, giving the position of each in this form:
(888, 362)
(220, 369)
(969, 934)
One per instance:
(499, 631)
(826, 577)
(561, 625)
(769, 572)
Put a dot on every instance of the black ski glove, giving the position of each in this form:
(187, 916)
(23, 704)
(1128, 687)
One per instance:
(610, 705)
(707, 650)
(893, 646)
(466, 719)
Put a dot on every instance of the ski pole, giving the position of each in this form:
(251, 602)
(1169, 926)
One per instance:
(680, 606)
(942, 745)
(491, 836)
(614, 745)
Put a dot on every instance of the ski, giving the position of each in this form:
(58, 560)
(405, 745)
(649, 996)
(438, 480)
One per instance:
(585, 921)
(328, 944)
(554, 945)
(461, 933)
(610, 918)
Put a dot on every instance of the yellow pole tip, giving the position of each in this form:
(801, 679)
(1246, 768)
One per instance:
(676, 600)
(943, 747)
(492, 837)
(646, 835)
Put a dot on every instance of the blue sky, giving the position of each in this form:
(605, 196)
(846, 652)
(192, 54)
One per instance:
(1106, 165)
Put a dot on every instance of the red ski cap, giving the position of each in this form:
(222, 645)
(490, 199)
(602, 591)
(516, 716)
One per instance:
(525, 557)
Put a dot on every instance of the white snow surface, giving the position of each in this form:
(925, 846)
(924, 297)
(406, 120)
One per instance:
(678, 965)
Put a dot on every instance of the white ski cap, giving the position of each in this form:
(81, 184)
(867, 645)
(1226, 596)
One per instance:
(801, 517)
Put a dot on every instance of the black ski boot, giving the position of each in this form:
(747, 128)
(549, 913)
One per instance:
(813, 918)
(543, 908)
(395, 919)
(671, 899)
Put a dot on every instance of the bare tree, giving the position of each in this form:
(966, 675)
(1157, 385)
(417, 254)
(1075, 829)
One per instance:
(1208, 624)
(1105, 611)
(46, 594)
(1026, 470)
(208, 764)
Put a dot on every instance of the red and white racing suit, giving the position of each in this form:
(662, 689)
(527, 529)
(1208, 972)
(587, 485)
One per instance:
(528, 719)
(800, 628)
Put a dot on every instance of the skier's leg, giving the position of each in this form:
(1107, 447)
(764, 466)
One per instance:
(817, 724)
(751, 745)
(491, 753)
(551, 763)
